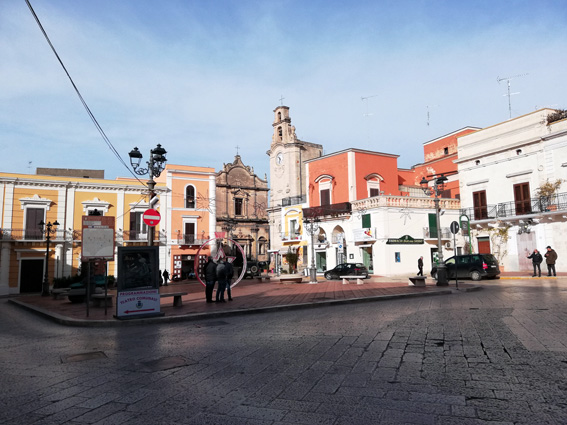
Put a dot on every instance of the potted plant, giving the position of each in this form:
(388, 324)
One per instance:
(292, 258)
(545, 194)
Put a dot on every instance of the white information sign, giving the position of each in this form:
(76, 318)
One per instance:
(137, 302)
(98, 243)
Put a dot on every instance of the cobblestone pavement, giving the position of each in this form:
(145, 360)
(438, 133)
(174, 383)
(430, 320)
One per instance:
(494, 356)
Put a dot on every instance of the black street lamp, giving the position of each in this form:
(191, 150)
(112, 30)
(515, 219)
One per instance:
(437, 190)
(156, 164)
(48, 230)
(311, 226)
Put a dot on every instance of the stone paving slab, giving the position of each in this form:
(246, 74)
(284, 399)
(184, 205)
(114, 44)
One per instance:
(249, 296)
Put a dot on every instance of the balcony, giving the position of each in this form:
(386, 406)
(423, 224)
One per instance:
(290, 236)
(404, 202)
(333, 210)
(429, 233)
(293, 200)
(190, 239)
(513, 209)
(33, 235)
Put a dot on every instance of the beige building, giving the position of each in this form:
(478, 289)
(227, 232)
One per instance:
(287, 174)
(241, 208)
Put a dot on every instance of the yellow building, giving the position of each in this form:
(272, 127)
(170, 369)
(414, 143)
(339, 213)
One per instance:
(26, 200)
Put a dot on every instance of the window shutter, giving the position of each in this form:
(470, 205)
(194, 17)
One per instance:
(366, 223)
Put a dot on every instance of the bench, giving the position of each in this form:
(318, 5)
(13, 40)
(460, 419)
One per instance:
(99, 298)
(291, 279)
(59, 291)
(417, 280)
(177, 297)
(347, 279)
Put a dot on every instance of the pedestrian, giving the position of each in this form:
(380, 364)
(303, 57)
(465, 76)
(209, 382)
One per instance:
(536, 262)
(165, 276)
(550, 259)
(420, 266)
(221, 278)
(160, 278)
(210, 278)
(229, 271)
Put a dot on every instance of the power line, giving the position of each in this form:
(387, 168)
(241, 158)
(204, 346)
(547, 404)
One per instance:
(91, 115)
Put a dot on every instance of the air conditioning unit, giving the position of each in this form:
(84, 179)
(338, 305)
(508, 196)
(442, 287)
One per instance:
(448, 245)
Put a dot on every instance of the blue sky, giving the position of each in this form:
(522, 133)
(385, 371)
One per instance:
(202, 77)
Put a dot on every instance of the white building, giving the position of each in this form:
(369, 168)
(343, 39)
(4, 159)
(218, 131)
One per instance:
(500, 170)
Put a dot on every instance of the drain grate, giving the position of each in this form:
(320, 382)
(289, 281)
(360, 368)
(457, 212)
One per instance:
(83, 357)
(164, 363)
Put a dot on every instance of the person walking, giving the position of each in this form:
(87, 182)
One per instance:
(229, 271)
(165, 277)
(536, 262)
(550, 259)
(210, 278)
(420, 266)
(221, 278)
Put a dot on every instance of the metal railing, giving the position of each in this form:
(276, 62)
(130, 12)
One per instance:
(429, 233)
(32, 235)
(187, 239)
(556, 202)
(293, 200)
(286, 236)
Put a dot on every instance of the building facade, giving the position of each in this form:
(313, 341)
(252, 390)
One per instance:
(501, 170)
(241, 208)
(27, 199)
(288, 155)
(189, 215)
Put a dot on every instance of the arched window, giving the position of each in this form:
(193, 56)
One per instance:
(279, 116)
(280, 133)
(373, 184)
(190, 197)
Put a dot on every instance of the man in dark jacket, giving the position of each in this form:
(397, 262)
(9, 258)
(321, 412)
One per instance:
(536, 261)
(420, 266)
(550, 259)
(210, 278)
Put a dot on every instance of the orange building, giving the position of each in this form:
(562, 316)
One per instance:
(190, 215)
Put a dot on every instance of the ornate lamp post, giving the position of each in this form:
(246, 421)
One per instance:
(48, 230)
(436, 190)
(311, 226)
(156, 164)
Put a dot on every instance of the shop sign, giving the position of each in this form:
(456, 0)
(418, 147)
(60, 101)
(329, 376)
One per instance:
(405, 240)
(364, 234)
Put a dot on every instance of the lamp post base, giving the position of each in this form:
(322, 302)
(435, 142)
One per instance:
(442, 277)
(313, 275)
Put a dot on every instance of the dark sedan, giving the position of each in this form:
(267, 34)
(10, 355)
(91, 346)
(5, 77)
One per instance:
(347, 269)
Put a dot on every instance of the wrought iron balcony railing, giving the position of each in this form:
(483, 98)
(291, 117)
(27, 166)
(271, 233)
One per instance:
(293, 200)
(502, 210)
(429, 233)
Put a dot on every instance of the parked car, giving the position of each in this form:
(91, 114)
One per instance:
(472, 266)
(347, 269)
(252, 269)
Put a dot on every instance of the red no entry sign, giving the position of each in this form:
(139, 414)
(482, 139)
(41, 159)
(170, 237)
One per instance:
(151, 217)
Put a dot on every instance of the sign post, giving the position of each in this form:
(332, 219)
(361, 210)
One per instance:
(454, 230)
(97, 244)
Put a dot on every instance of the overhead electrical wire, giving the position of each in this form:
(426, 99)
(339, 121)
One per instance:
(89, 112)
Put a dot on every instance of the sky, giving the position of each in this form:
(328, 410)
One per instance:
(203, 77)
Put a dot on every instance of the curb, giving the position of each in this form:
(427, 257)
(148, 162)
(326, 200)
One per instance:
(63, 320)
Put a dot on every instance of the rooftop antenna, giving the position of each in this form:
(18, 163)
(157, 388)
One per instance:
(367, 114)
(510, 94)
(29, 167)
(428, 112)
(365, 99)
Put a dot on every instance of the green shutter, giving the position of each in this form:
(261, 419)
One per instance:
(432, 226)
(366, 221)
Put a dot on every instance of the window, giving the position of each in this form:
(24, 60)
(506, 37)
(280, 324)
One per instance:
(522, 198)
(446, 151)
(293, 228)
(237, 206)
(33, 217)
(374, 192)
(189, 233)
(479, 205)
(138, 229)
(432, 225)
(366, 221)
(190, 197)
(325, 197)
